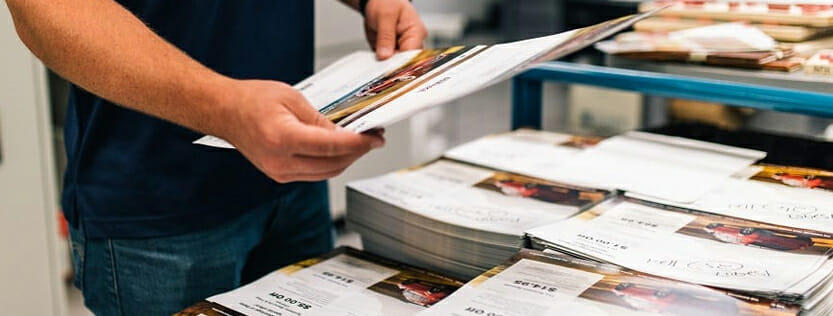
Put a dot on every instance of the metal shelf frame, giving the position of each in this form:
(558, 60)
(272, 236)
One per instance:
(527, 90)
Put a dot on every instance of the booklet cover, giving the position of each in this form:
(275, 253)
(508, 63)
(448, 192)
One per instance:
(361, 93)
(696, 247)
(343, 282)
(538, 283)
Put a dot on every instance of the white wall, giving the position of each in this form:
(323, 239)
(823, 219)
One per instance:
(30, 254)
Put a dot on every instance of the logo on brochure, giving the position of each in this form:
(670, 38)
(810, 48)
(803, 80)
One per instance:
(480, 215)
(715, 266)
(792, 210)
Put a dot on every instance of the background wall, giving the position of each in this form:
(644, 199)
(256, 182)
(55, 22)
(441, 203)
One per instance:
(32, 258)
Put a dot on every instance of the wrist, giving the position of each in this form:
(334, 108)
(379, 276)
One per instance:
(223, 94)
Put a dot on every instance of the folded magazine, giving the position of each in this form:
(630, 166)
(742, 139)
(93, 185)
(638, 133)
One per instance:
(345, 281)
(360, 93)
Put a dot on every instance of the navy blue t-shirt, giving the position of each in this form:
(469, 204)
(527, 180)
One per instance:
(133, 175)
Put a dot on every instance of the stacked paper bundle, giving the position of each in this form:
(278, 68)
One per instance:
(454, 217)
(538, 283)
(797, 199)
(777, 262)
(821, 63)
(811, 13)
(791, 21)
(344, 282)
(727, 44)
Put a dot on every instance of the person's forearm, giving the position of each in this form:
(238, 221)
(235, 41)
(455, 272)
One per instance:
(103, 48)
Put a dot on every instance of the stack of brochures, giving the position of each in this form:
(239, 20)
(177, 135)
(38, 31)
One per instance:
(344, 282)
(455, 217)
(756, 258)
(538, 283)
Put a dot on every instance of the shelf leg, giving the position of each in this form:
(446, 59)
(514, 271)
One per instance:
(526, 103)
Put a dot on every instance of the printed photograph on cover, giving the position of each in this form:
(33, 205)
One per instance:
(531, 188)
(618, 290)
(416, 287)
(389, 84)
(345, 280)
(582, 142)
(797, 177)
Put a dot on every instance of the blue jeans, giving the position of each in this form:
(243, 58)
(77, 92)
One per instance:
(160, 276)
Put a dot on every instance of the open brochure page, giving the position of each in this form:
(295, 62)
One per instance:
(424, 66)
(694, 247)
(344, 282)
(793, 197)
(486, 67)
(670, 168)
(361, 94)
(536, 283)
(522, 151)
(470, 75)
(478, 198)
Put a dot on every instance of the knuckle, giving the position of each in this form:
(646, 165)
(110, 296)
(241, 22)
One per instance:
(271, 138)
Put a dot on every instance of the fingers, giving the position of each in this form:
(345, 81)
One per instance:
(411, 39)
(320, 166)
(307, 177)
(320, 142)
(305, 168)
(386, 35)
(414, 34)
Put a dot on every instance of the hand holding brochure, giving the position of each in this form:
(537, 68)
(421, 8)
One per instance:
(361, 93)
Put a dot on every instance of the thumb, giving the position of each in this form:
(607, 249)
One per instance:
(306, 113)
(386, 36)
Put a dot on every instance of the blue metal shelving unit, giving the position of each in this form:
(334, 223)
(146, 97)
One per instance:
(526, 90)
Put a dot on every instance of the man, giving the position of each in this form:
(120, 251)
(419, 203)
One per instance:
(159, 223)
